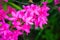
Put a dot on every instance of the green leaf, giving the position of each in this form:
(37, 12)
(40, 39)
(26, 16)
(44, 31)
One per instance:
(10, 0)
(49, 1)
(5, 6)
(39, 34)
(15, 6)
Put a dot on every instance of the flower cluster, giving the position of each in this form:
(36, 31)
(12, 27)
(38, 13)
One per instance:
(14, 23)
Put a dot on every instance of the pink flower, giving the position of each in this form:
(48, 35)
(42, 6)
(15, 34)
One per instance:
(10, 13)
(5, 29)
(14, 16)
(33, 14)
(10, 9)
(21, 27)
(26, 28)
(6, 0)
(59, 9)
(2, 15)
(4, 25)
(19, 22)
(17, 25)
(1, 6)
(36, 14)
(56, 2)
(12, 35)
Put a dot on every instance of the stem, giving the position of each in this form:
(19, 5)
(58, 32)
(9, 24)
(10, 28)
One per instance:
(39, 34)
(24, 36)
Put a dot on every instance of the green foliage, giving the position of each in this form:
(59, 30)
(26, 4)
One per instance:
(49, 1)
(14, 5)
(5, 6)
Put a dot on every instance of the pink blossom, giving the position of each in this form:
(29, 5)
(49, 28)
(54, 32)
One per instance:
(36, 14)
(17, 25)
(21, 27)
(6, 0)
(1, 6)
(18, 20)
(10, 9)
(33, 15)
(2, 14)
(26, 28)
(59, 9)
(10, 12)
(12, 34)
(3, 28)
(56, 2)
